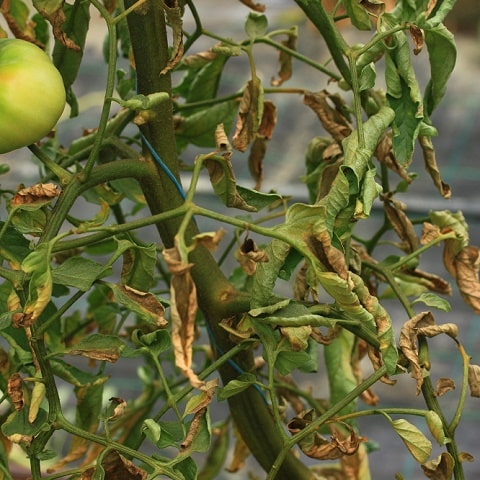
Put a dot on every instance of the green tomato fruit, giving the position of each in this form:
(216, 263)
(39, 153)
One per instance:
(32, 94)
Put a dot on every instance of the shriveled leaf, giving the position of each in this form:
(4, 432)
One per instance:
(199, 433)
(255, 160)
(385, 154)
(15, 391)
(120, 468)
(474, 380)
(450, 329)
(297, 336)
(415, 441)
(203, 399)
(209, 240)
(467, 266)
(257, 7)
(440, 468)
(222, 144)
(144, 304)
(250, 115)
(418, 38)
(443, 386)
(285, 59)
(408, 343)
(98, 347)
(401, 223)
(333, 119)
(40, 194)
(223, 182)
(316, 446)
(431, 166)
(249, 255)
(430, 232)
(183, 305)
(53, 12)
(174, 12)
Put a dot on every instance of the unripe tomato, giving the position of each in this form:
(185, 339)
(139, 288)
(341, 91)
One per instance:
(32, 95)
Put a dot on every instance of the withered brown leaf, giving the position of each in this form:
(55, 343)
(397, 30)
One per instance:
(174, 14)
(429, 233)
(418, 38)
(183, 306)
(285, 59)
(432, 167)
(467, 266)
(209, 240)
(257, 7)
(15, 391)
(249, 115)
(474, 380)
(443, 386)
(408, 343)
(440, 468)
(148, 302)
(249, 254)
(384, 154)
(401, 223)
(36, 194)
(333, 120)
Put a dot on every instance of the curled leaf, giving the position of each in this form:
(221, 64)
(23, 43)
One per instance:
(209, 240)
(41, 193)
(174, 14)
(408, 343)
(250, 115)
(474, 380)
(15, 391)
(432, 167)
(441, 468)
(249, 255)
(285, 59)
(183, 305)
(98, 347)
(332, 118)
(443, 386)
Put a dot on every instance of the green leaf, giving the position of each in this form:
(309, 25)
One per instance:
(156, 342)
(258, 199)
(224, 183)
(187, 468)
(442, 56)
(74, 375)
(288, 361)
(403, 94)
(146, 305)
(256, 25)
(199, 128)
(415, 441)
(434, 301)
(357, 15)
(17, 424)
(239, 384)
(79, 272)
(14, 247)
(139, 266)
(37, 263)
(203, 83)
(66, 59)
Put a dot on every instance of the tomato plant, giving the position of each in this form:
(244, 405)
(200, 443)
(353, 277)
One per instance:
(32, 95)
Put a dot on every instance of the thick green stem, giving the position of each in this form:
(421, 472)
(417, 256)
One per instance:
(216, 297)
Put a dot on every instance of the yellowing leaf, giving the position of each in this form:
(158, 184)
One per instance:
(416, 442)
(474, 380)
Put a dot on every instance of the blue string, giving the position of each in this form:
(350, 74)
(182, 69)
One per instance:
(163, 166)
(233, 364)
